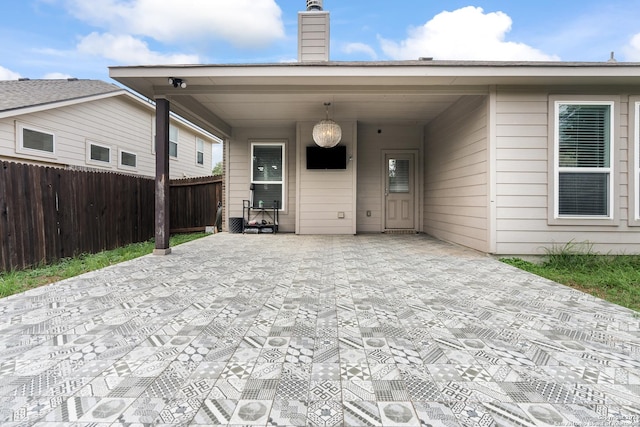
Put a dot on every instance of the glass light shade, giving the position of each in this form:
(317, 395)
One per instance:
(327, 133)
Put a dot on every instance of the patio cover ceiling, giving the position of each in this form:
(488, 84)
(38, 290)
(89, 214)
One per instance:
(219, 98)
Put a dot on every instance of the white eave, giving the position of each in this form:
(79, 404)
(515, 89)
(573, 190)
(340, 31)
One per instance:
(216, 94)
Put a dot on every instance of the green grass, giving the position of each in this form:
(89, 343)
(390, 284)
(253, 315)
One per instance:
(13, 282)
(615, 278)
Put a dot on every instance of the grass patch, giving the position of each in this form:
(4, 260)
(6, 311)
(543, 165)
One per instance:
(615, 278)
(13, 282)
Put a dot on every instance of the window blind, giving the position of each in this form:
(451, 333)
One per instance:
(584, 194)
(584, 135)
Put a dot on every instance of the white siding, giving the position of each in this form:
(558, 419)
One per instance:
(522, 178)
(456, 174)
(370, 168)
(117, 122)
(323, 194)
(239, 171)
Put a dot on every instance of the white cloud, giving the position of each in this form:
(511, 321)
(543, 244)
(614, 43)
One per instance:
(465, 34)
(244, 23)
(56, 76)
(360, 48)
(128, 49)
(6, 74)
(632, 50)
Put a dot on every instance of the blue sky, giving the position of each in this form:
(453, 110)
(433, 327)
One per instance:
(80, 38)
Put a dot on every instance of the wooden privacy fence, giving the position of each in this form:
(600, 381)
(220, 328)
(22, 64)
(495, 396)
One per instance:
(48, 213)
(194, 203)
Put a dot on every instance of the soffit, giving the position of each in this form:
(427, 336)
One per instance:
(219, 98)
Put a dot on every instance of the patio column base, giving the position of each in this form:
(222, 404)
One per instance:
(162, 251)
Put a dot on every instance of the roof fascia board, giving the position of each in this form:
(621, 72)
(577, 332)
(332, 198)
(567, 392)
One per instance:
(381, 69)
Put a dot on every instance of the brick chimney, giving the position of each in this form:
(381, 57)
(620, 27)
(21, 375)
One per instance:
(313, 33)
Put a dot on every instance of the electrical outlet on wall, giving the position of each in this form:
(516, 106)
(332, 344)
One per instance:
(340, 214)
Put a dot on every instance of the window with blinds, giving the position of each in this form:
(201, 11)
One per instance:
(267, 173)
(37, 140)
(584, 157)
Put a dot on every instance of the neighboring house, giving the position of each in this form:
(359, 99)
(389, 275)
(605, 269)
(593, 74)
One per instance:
(501, 157)
(91, 124)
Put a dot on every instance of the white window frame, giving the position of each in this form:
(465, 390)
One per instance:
(634, 156)
(612, 170)
(123, 166)
(198, 142)
(91, 161)
(20, 148)
(176, 141)
(282, 144)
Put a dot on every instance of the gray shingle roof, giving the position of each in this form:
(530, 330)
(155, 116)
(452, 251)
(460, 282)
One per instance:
(16, 94)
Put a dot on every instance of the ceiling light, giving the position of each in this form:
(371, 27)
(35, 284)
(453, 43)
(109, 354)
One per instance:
(327, 133)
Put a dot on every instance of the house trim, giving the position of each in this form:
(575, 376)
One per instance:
(492, 161)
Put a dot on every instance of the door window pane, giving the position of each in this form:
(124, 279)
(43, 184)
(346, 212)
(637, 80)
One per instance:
(399, 176)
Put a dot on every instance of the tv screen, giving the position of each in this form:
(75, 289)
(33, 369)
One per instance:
(327, 158)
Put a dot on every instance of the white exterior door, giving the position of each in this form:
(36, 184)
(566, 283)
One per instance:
(400, 191)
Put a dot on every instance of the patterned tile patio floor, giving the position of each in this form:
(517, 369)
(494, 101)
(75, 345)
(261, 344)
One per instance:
(285, 330)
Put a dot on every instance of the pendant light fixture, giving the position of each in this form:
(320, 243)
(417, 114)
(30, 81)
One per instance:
(327, 133)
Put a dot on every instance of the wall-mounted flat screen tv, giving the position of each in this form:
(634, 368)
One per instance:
(327, 158)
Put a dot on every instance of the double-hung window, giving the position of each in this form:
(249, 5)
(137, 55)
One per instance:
(173, 141)
(267, 173)
(584, 160)
(199, 151)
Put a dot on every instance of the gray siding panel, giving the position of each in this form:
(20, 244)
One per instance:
(456, 174)
(522, 178)
(323, 194)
